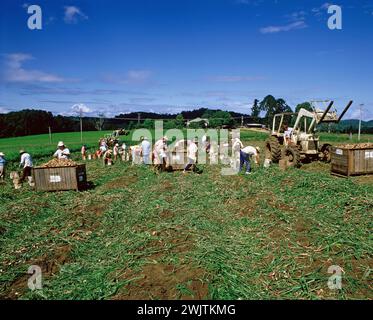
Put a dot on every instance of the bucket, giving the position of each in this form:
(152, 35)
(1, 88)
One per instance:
(267, 163)
(89, 157)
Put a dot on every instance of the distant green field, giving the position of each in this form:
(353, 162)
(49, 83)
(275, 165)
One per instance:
(40, 146)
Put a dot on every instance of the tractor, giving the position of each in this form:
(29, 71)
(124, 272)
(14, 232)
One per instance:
(300, 143)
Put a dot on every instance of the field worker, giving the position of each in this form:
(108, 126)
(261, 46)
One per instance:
(2, 166)
(135, 154)
(245, 156)
(179, 155)
(146, 150)
(84, 152)
(107, 157)
(192, 151)
(116, 151)
(103, 148)
(288, 133)
(123, 152)
(26, 163)
(160, 153)
(62, 152)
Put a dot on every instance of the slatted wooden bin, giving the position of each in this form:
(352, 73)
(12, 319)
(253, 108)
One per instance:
(352, 160)
(60, 178)
(177, 160)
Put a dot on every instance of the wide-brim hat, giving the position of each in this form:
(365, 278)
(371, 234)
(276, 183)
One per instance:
(2, 154)
(60, 144)
(21, 151)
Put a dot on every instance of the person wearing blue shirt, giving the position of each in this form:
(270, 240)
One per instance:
(2, 166)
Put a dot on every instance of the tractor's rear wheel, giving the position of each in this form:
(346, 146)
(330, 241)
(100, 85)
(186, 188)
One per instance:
(292, 155)
(273, 149)
(326, 151)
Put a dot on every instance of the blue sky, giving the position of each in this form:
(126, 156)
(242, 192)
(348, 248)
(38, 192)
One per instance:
(168, 56)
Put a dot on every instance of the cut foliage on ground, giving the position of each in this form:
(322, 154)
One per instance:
(140, 235)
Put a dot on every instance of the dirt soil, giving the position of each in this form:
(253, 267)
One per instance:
(50, 264)
(166, 282)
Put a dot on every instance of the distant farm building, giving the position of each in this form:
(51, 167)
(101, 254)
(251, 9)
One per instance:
(197, 120)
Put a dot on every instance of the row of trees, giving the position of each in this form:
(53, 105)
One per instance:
(29, 122)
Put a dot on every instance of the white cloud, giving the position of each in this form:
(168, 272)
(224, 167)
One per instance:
(80, 107)
(131, 77)
(354, 112)
(15, 72)
(234, 78)
(297, 16)
(292, 26)
(73, 14)
(4, 110)
(138, 75)
(250, 2)
(318, 11)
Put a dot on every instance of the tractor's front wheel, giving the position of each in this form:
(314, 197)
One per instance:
(292, 155)
(273, 149)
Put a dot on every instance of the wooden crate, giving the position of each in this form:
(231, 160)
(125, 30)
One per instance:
(60, 178)
(177, 160)
(350, 161)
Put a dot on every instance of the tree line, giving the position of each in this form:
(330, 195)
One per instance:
(30, 122)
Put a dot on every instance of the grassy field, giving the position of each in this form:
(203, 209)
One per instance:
(139, 235)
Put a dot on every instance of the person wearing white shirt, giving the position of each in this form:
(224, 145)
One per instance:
(191, 154)
(123, 152)
(146, 150)
(160, 153)
(116, 151)
(245, 156)
(288, 133)
(26, 163)
(62, 152)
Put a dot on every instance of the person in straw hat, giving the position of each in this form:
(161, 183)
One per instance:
(62, 152)
(26, 163)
